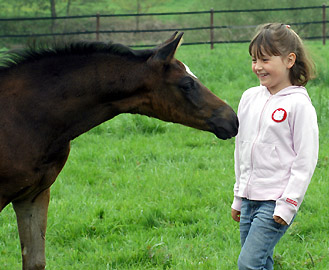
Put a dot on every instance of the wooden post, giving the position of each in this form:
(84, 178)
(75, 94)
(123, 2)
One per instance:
(211, 28)
(324, 24)
(97, 26)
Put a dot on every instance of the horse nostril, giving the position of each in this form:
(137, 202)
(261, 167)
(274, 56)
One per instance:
(224, 124)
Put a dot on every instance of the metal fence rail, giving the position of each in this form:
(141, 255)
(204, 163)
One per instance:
(96, 31)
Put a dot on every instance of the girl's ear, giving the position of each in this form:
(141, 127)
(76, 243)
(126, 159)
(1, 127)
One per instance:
(291, 59)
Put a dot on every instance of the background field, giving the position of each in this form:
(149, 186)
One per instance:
(228, 26)
(138, 193)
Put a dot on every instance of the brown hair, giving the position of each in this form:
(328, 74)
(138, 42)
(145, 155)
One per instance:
(280, 40)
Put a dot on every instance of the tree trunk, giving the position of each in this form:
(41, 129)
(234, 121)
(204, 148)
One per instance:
(68, 7)
(53, 14)
(137, 17)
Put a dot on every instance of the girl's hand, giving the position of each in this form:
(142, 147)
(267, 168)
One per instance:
(235, 215)
(279, 220)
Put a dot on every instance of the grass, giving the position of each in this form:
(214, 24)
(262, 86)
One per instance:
(138, 193)
(19, 8)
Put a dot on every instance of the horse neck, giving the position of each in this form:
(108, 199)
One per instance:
(86, 91)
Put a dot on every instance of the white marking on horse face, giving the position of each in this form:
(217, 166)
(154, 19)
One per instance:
(189, 71)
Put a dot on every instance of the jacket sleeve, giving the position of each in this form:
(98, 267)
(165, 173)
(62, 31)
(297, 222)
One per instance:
(304, 130)
(237, 200)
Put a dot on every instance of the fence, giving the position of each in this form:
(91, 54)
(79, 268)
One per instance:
(208, 31)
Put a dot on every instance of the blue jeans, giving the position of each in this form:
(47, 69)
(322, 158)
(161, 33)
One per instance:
(259, 234)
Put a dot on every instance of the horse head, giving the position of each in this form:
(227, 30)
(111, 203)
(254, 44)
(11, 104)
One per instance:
(177, 95)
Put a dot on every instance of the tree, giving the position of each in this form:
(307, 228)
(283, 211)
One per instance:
(68, 7)
(140, 7)
(53, 14)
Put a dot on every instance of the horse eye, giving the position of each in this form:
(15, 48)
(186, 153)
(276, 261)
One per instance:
(187, 84)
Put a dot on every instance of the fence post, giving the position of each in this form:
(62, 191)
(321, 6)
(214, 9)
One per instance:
(211, 28)
(324, 24)
(97, 26)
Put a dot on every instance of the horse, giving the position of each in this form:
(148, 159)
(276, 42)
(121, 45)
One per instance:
(50, 95)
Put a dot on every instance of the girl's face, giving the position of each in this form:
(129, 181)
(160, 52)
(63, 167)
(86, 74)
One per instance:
(273, 71)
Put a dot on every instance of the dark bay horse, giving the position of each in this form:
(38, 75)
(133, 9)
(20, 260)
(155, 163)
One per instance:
(50, 96)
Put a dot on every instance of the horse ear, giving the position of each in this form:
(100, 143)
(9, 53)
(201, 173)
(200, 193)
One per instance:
(167, 50)
(170, 39)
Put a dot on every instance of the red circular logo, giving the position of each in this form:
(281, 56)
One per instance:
(279, 115)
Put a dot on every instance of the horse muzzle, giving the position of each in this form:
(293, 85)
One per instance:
(224, 125)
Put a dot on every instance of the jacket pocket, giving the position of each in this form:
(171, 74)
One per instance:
(267, 167)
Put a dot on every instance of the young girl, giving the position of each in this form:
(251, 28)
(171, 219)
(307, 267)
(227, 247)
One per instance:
(277, 144)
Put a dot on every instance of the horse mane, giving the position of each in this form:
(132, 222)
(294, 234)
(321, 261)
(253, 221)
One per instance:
(40, 51)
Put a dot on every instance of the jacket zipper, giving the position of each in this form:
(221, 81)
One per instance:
(253, 145)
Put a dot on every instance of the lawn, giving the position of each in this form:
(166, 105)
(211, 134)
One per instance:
(138, 193)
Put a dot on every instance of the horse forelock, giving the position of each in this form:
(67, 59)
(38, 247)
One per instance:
(37, 52)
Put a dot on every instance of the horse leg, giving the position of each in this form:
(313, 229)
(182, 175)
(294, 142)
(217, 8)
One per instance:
(32, 222)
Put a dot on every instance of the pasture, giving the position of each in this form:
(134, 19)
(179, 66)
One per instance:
(138, 193)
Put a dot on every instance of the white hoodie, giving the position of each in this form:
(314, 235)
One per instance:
(276, 148)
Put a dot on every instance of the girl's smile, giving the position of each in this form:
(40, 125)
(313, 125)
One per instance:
(262, 75)
(273, 71)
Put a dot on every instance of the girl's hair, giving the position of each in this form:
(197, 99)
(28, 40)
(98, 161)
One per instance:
(280, 40)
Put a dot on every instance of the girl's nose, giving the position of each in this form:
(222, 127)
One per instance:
(258, 66)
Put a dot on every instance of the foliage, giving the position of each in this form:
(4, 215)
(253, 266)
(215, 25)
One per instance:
(138, 193)
(78, 7)
(243, 22)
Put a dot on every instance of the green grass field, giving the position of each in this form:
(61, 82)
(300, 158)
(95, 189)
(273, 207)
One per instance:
(138, 193)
